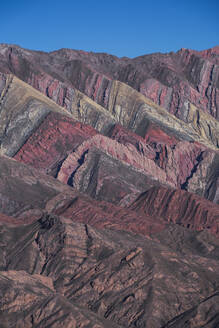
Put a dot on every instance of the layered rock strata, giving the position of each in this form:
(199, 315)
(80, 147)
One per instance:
(64, 273)
(173, 81)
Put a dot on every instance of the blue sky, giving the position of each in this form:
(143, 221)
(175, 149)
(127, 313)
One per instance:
(123, 28)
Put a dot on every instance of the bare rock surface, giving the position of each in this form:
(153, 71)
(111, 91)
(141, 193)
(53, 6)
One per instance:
(61, 273)
(25, 193)
(33, 301)
(173, 80)
(64, 148)
(37, 131)
(109, 189)
(179, 207)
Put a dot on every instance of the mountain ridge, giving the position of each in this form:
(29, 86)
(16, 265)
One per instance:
(109, 189)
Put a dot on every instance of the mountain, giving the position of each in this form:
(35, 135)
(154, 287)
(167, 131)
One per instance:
(173, 81)
(109, 189)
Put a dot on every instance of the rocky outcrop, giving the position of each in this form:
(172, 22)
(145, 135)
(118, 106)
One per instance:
(133, 111)
(36, 302)
(194, 82)
(199, 315)
(106, 161)
(188, 165)
(61, 272)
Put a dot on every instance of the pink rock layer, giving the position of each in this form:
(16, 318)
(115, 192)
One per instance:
(57, 136)
(170, 80)
(59, 144)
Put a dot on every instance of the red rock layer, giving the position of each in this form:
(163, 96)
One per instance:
(26, 194)
(176, 158)
(170, 80)
(52, 141)
(60, 146)
(179, 207)
(104, 215)
(124, 154)
(9, 220)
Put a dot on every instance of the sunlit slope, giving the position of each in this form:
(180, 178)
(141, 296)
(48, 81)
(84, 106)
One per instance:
(133, 110)
(23, 109)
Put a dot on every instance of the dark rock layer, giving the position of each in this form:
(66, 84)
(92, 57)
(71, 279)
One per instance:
(109, 211)
(172, 80)
(68, 274)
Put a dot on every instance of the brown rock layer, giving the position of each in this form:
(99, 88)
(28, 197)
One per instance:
(25, 192)
(63, 273)
(104, 220)
(172, 80)
(179, 207)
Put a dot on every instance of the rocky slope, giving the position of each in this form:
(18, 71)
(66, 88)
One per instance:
(61, 273)
(173, 80)
(26, 193)
(109, 189)
(38, 132)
